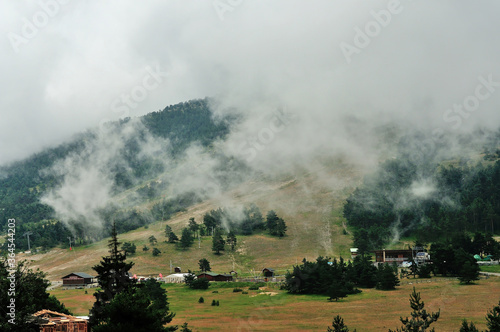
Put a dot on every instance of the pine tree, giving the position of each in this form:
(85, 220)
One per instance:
(112, 276)
(168, 230)
(280, 227)
(231, 239)
(140, 308)
(204, 265)
(186, 239)
(493, 319)
(271, 222)
(336, 291)
(469, 272)
(468, 328)
(172, 238)
(217, 241)
(387, 278)
(420, 319)
(338, 325)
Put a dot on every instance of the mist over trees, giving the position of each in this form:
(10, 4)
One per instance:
(24, 183)
(429, 201)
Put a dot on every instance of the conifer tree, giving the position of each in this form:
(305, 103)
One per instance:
(387, 278)
(112, 276)
(271, 222)
(186, 239)
(338, 325)
(493, 319)
(280, 229)
(231, 239)
(468, 328)
(420, 318)
(217, 241)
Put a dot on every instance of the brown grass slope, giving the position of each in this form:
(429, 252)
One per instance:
(310, 203)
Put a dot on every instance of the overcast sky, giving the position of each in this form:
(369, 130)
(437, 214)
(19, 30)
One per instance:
(69, 65)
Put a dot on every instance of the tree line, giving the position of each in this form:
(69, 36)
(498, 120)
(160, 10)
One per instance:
(426, 200)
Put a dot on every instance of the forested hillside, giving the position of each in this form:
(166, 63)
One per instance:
(23, 183)
(426, 200)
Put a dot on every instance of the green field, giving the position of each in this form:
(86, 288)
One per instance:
(490, 268)
(271, 309)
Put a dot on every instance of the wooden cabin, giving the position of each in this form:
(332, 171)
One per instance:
(268, 272)
(51, 321)
(215, 276)
(77, 279)
(390, 256)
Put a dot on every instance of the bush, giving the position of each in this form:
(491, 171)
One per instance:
(245, 292)
(217, 303)
(201, 300)
(236, 290)
(213, 303)
(253, 288)
(215, 291)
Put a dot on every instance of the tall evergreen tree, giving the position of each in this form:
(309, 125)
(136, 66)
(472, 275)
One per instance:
(493, 319)
(204, 265)
(172, 238)
(112, 276)
(271, 222)
(280, 227)
(141, 308)
(168, 230)
(186, 239)
(420, 318)
(387, 278)
(217, 241)
(231, 240)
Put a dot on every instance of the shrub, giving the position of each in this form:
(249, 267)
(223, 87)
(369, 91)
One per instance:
(213, 303)
(215, 291)
(201, 300)
(244, 292)
(253, 288)
(236, 290)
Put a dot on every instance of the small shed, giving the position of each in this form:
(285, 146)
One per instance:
(354, 252)
(51, 321)
(268, 272)
(77, 279)
(177, 269)
(215, 276)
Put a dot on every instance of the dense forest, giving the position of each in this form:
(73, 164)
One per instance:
(430, 201)
(23, 183)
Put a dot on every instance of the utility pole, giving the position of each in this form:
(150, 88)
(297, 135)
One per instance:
(27, 234)
(199, 241)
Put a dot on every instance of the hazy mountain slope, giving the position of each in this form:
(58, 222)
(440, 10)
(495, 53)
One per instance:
(305, 202)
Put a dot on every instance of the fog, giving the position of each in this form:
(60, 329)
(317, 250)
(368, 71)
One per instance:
(308, 80)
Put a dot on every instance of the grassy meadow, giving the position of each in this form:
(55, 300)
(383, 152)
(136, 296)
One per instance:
(271, 309)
